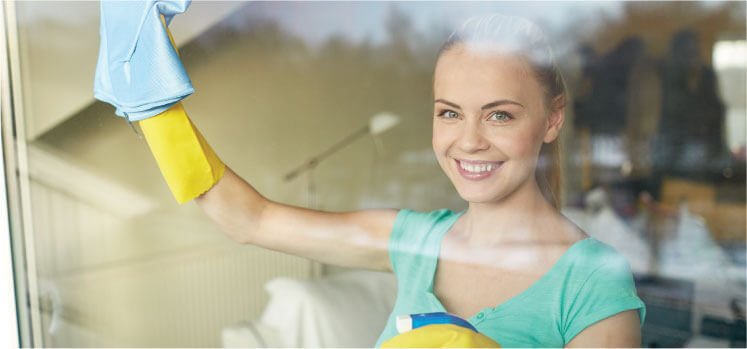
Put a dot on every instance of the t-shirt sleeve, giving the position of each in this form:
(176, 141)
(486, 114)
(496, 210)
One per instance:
(395, 238)
(608, 290)
(409, 238)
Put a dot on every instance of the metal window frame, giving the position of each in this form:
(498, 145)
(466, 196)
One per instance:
(17, 255)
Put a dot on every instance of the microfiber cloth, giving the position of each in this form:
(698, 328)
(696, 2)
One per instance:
(138, 70)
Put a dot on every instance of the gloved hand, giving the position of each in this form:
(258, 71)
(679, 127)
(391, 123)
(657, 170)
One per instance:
(138, 69)
(140, 73)
(440, 336)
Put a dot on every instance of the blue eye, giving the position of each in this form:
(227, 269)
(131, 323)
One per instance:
(449, 114)
(500, 116)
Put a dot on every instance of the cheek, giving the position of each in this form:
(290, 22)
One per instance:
(519, 144)
(439, 140)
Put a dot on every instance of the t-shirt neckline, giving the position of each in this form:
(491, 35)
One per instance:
(481, 314)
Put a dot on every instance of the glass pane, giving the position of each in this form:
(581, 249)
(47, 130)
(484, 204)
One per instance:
(652, 161)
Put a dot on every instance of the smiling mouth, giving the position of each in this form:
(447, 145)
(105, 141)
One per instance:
(478, 167)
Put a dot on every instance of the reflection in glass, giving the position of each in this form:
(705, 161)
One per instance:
(654, 162)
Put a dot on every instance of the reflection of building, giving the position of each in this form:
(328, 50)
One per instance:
(690, 138)
(673, 173)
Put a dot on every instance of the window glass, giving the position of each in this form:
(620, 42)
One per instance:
(652, 162)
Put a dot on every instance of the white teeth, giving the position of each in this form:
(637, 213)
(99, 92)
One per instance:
(477, 168)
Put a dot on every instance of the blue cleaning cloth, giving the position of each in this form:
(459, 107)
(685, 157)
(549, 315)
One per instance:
(138, 70)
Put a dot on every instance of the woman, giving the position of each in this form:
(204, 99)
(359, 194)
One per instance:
(511, 263)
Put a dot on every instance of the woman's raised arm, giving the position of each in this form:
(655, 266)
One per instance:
(127, 79)
(353, 239)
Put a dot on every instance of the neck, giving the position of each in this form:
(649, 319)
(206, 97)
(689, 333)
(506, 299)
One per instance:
(524, 216)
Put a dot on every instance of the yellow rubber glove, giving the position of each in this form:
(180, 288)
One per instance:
(187, 162)
(440, 336)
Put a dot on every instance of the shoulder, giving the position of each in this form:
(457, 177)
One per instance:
(415, 227)
(598, 256)
(434, 215)
(411, 220)
(606, 290)
(598, 272)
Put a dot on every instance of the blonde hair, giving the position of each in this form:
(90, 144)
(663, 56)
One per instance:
(518, 36)
(549, 177)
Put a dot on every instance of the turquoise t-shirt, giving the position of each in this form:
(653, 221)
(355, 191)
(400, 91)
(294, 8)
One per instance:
(590, 282)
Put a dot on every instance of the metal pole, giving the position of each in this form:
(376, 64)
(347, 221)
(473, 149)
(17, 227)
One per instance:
(313, 162)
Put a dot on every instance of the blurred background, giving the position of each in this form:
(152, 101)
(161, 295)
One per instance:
(653, 162)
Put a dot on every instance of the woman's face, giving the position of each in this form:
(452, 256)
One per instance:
(490, 120)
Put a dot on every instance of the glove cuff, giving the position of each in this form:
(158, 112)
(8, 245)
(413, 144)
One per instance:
(187, 162)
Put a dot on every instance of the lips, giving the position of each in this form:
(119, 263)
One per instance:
(476, 170)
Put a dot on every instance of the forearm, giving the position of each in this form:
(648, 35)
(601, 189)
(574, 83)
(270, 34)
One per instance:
(235, 206)
(193, 171)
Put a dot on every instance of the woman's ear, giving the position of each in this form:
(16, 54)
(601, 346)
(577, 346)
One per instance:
(555, 119)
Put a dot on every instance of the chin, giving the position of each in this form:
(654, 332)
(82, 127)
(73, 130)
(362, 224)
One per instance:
(479, 197)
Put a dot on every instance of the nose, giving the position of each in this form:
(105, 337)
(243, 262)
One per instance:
(472, 138)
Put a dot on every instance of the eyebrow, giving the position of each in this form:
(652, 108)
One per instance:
(486, 106)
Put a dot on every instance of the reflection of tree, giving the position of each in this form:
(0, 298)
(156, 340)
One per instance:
(337, 58)
(401, 35)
